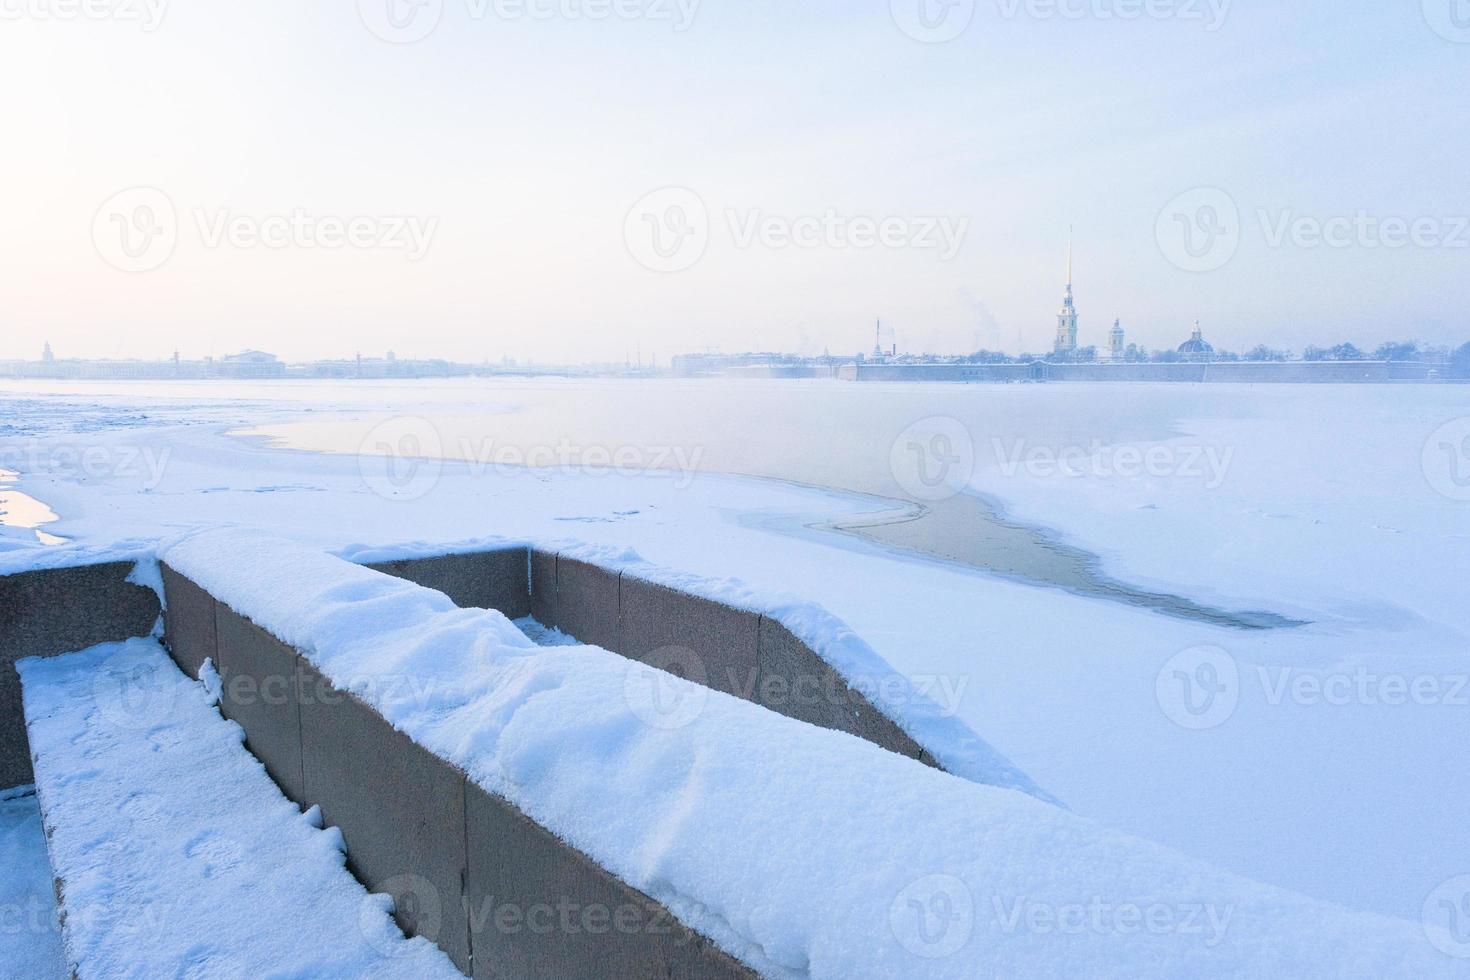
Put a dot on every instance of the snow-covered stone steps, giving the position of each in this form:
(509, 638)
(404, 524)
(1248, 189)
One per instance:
(599, 792)
(174, 853)
(53, 609)
(501, 894)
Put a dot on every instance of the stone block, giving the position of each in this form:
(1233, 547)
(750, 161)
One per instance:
(587, 602)
(60, 610)
(188, 622)
(480, 580)
(539, 908)
(262, 692)
(543, 587)
(796, 682)
(662, 626)
(400, 809)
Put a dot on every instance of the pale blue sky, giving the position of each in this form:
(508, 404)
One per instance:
(528, 141)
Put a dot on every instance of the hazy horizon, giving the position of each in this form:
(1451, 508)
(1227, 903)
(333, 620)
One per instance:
(509, 171)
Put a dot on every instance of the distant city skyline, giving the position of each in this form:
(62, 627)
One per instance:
(742, 177)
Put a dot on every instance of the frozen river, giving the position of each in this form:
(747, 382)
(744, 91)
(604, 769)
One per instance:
(1019, 542)
(882, 440)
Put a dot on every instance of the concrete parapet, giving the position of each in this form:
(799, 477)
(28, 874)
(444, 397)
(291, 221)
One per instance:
(261, 691)
(795, 682)
(400, 809)
(543, 586)
(539, 908)
(587, 603)
(60, 610)
(661, 626)
(188, 623)
(500, 894)
(495, 579)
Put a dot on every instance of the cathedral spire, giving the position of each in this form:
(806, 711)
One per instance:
(1066, 341)
(1069, 258)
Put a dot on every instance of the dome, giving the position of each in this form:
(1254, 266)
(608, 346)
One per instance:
(1196, 343)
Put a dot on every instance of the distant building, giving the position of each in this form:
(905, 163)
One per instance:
(251, 364)
(47, 357)
(878, 353)
(1115, 341)
(758, 365)
(1196, 348)
(1066, 341)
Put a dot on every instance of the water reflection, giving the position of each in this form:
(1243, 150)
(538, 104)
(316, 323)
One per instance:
(22, 510)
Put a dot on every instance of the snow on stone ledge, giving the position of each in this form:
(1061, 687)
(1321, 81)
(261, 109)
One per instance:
(932, 724)
(802, 851)
(178, 854)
